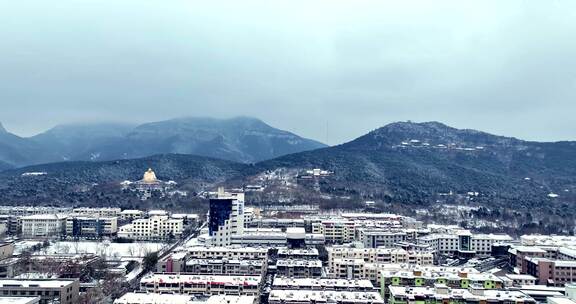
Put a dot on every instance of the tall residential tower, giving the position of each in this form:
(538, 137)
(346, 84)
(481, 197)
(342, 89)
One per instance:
(226, 217)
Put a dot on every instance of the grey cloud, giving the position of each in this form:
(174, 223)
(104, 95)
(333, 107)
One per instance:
(502, 66)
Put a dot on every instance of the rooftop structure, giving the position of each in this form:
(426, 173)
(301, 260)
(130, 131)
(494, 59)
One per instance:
(441, 293)
(316, 296)
(322, 284)
(152, 298)
(200, 284)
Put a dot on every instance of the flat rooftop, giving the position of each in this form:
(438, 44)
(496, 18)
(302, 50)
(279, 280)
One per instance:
(6, 283)
(227, 249)
(201, 279)
(450, 293)
(309, 251)
(154, 298)
(303, 296)
(320, 283)
(298, 263)
(19, 300)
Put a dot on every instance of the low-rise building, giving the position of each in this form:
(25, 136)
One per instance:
(453, 277)
(299, 268)
(337, 231)
(295, 296)
(19, 300)
(130, 215)
(154, 228)
(154, 298)
(373, 238)
(43, 225)
(49, 291)
(284, 283)
(520, 279)
(304, 253)
(380, 255)
(441, 293)
(200, 252)
(225, 267)
(463, 242)
(91, 227)
(173, 262)
(201, 284)
(551, 272)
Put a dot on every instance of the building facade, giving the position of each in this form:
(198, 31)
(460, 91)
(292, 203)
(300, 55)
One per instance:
(226, 218)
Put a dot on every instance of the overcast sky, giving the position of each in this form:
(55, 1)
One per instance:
(330, 70)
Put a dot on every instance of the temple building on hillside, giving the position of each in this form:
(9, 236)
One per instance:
(150, 184)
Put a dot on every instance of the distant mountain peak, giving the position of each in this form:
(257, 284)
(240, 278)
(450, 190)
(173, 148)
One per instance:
(2, 129)
(410, 125)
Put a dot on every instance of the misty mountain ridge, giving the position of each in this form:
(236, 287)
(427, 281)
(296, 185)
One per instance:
(240, 139)
(400, 162)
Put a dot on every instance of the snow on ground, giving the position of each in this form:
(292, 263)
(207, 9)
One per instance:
(21, 246)
(108, 249)
(134, 273)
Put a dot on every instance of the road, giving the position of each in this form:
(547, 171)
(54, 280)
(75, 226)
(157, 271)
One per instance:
(135, 279)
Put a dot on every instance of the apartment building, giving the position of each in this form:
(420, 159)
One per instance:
(441, 293)
(226, 218)
(299, 268)
(463, 242)
(314, 290)
(304, 253)
(201, 284)
(49, 291)
(452, 277)
(551, 265)
(374, 238)
(283, 283)
(295, 296)
(225, 267)
(379, 255)
(154, 228)
(199, 252)
(337, 231)
(551, 272)
(43, 225)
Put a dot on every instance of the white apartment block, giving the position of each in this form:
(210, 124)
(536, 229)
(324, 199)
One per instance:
(338, 231)
(196, 284)
(463, 241)
(198, 252)
(313, 296)
(153, 228)
(380, 255)
(43, 225)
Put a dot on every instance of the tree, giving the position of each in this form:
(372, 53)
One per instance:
(150, 261)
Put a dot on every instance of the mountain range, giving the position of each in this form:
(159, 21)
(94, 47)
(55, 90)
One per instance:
(400, 162)
(240, 139)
